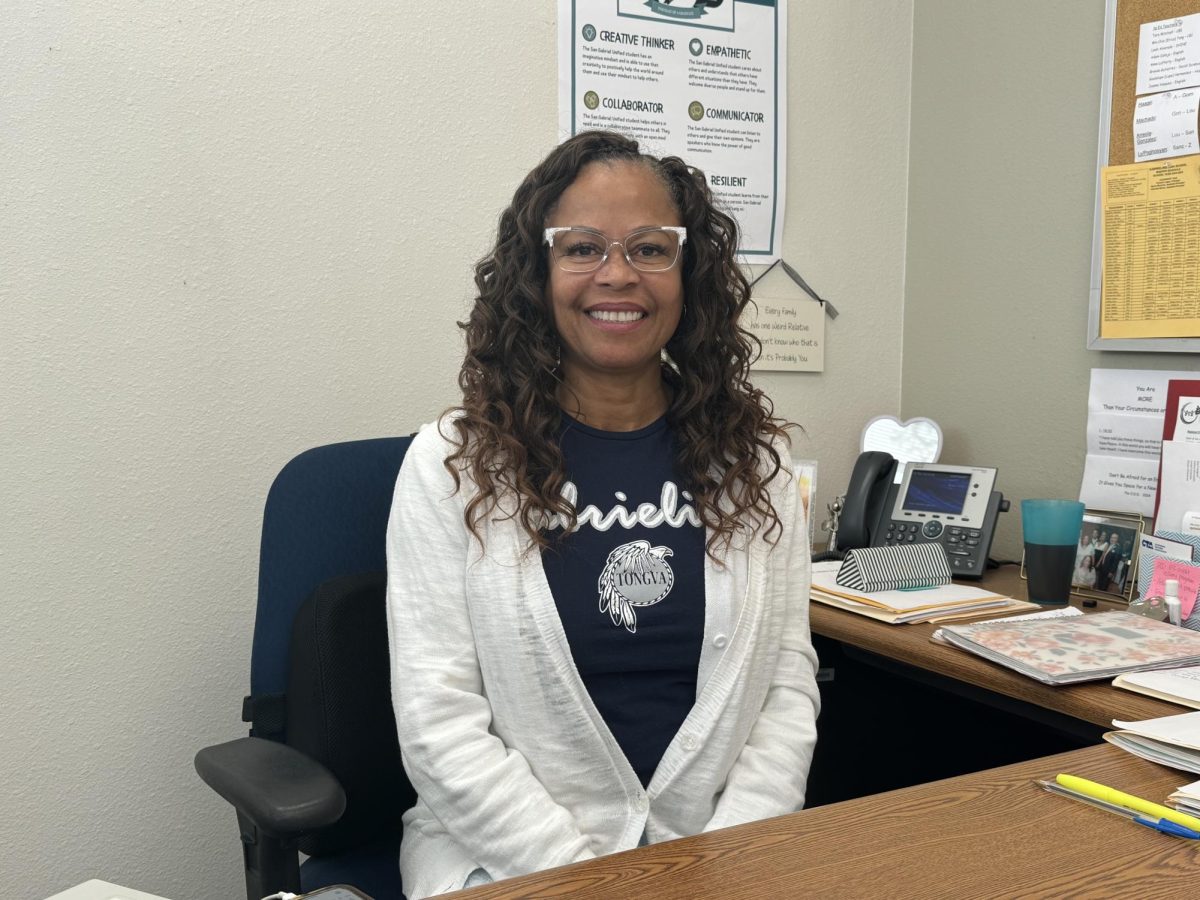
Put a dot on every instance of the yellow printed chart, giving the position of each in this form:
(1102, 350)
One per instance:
(1150, 286)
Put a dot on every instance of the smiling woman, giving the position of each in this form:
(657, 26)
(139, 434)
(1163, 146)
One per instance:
(598, 564)
(614, 312)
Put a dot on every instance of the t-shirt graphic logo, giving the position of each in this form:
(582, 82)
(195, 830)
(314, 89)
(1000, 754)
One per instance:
(634, 575)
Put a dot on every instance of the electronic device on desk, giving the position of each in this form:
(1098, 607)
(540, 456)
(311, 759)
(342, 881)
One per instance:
(955, 506)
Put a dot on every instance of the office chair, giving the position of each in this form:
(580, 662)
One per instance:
(320, 772)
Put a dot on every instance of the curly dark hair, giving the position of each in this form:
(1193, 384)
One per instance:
(508, 424)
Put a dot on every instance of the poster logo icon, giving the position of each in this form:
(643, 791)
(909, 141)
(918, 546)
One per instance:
(591, 99)
(696, 110)
(695, 46)
(1189, 412)
(664, 8)
(589, 33)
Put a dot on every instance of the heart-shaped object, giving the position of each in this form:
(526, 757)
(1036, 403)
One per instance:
(917, 440)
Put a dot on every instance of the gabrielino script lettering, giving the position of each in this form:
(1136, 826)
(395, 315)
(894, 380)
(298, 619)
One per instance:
(668, 510)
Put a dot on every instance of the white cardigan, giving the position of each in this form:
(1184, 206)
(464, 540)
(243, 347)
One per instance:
(514, 768)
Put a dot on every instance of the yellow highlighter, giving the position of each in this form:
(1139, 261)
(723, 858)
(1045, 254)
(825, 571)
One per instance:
(1120, 798)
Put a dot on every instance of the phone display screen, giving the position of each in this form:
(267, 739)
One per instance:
(937, 492)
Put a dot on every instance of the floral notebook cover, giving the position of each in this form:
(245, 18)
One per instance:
(1079, 648)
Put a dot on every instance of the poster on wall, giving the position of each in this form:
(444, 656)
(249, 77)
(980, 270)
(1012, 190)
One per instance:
(704, 80)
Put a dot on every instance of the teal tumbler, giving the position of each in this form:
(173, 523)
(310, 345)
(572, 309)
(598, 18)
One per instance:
(1051, 532)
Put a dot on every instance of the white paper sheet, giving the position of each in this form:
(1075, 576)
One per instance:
(1169, 54)
(1158, 546)
(1164, 125)
(1125, 421)
(1183, 682)
(1119, 483)
(1182, 730)
(1115, 434)
(1181, 484)
(1191, 791)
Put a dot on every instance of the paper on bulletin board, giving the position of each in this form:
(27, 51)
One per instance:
(1150, 269)
(792, 332)
(1168, 54)
(1164, 125)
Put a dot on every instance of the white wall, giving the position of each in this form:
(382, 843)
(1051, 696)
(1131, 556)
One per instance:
(849, 75)
(232, 231)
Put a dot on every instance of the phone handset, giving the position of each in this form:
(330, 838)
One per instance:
(865, 498)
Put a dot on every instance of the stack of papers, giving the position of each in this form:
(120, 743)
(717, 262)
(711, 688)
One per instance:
(1180, 686)
(1079, 648)
(900, 607)
(1187, 799)
(1169, 741)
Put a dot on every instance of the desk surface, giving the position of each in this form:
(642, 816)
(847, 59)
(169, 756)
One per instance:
(988, 834)
(1096, 702)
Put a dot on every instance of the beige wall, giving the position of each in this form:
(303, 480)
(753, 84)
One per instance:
(232, 231)
(849, 63)
(1005, 115)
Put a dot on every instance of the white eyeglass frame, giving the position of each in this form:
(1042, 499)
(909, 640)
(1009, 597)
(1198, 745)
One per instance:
(679, 230)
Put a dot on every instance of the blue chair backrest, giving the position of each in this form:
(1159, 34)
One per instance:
(326, 516)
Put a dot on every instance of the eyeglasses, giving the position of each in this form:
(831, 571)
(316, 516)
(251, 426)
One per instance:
(577, 249)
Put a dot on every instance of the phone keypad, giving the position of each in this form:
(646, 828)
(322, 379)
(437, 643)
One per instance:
(958, 542)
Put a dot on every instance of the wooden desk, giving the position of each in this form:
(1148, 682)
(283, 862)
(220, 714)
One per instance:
(1095, 702)
(988, 834)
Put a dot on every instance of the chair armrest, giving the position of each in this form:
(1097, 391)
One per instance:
(285, 793)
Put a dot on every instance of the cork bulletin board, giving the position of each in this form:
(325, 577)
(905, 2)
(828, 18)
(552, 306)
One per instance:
(1128, 20)
(1122, 34)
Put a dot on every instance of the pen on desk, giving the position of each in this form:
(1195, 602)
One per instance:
(1121, 799)
(1165, 826)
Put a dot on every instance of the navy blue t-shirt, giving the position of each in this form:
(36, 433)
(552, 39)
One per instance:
(629, 584)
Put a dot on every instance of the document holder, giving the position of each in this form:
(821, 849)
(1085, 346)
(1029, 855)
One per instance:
(899, 567)
(1146, 569)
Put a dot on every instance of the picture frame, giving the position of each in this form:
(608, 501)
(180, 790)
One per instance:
(1113, 574)
(806, 485)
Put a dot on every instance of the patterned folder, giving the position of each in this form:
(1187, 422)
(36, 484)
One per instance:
(1080, 648)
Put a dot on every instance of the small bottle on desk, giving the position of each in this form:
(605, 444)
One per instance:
(1171, 601)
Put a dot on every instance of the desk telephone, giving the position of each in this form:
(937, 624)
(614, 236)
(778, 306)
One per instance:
(955, 506)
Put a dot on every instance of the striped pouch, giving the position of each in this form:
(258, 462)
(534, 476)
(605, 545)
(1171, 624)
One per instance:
(894, 568)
